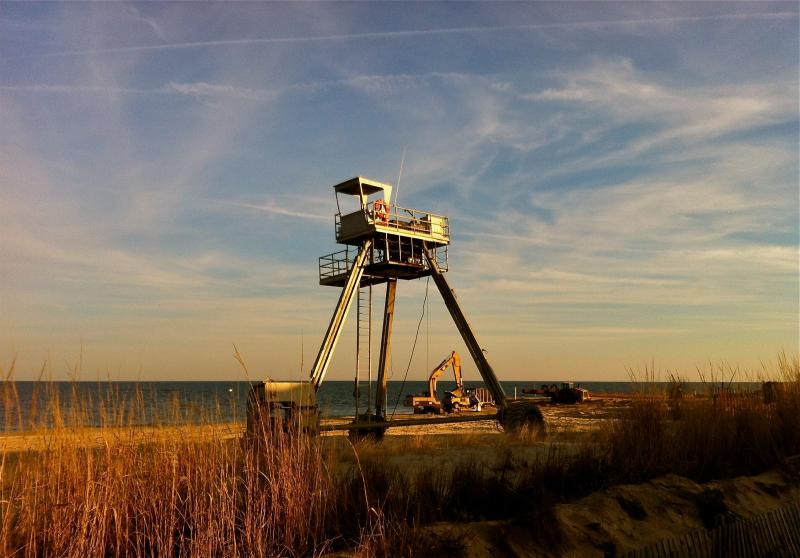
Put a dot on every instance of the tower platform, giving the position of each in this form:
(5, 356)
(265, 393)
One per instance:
(334, 268)
(377, 217)
(398, 236)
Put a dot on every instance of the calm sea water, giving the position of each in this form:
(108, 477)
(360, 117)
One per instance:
(163, 402)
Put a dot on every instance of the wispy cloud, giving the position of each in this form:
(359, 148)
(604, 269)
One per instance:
(150, 22)
(662, 235)
(202, 89)
(71, 89)
(695, 113)
(412, 33)
(277, 210)
(623, 206)
(367, 83)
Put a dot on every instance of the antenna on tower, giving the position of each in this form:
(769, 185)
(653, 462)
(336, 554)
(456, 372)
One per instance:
(400, 175)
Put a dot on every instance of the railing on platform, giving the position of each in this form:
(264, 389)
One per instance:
(339, 263)
(402, 219)
(336, 264)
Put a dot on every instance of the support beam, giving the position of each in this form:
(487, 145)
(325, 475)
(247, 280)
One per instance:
(339, 315)
(411, 422)
(487, 373)
(386, 349)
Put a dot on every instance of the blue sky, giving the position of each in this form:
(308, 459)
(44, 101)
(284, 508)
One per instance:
(622, 181)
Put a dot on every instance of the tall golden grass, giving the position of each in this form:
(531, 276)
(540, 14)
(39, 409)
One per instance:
(723, 432)
(102, 484)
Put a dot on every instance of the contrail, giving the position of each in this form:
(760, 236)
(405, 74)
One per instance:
(271, 208)
(409, 33)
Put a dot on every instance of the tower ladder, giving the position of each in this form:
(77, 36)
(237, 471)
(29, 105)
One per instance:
(364, 340)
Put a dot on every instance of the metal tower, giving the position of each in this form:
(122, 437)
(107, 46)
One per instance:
(386, 243)
(383, 243)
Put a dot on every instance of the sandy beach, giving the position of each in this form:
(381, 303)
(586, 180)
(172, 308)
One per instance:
(563, 423)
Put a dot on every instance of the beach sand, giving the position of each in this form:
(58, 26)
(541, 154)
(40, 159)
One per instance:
(564, 422)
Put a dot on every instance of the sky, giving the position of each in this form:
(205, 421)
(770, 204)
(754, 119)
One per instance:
(621, 180)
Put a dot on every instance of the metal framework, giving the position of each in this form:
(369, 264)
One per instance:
(386, 243)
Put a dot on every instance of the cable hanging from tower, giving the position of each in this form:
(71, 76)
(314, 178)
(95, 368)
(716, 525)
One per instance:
(413, 347)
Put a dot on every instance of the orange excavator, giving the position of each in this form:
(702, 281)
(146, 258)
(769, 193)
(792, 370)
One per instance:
(454, 400)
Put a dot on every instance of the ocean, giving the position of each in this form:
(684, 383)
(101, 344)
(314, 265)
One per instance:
(166, 402)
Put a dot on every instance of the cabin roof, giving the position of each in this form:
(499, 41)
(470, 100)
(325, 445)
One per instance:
(360, 185)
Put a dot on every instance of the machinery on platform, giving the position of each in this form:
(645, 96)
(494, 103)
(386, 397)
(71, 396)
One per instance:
(384, 243)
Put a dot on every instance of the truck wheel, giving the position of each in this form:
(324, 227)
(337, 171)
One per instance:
(522, 416)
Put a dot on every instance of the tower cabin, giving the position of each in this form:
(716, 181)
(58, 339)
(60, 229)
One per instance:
(398, 235)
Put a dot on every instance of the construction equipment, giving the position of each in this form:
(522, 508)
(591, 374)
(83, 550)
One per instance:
(569, 393)
(454, 400)
(383, 243)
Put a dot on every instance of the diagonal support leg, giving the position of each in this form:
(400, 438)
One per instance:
(487, 373)
(339, 316)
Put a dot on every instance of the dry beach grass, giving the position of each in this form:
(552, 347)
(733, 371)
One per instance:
(176, 490)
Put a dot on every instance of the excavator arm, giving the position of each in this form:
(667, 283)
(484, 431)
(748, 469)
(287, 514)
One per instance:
(453, 400)
(453, 360)
(457, 371)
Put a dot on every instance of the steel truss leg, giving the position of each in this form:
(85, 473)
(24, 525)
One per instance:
(339, 315)
(450, 300)
(386, 350)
